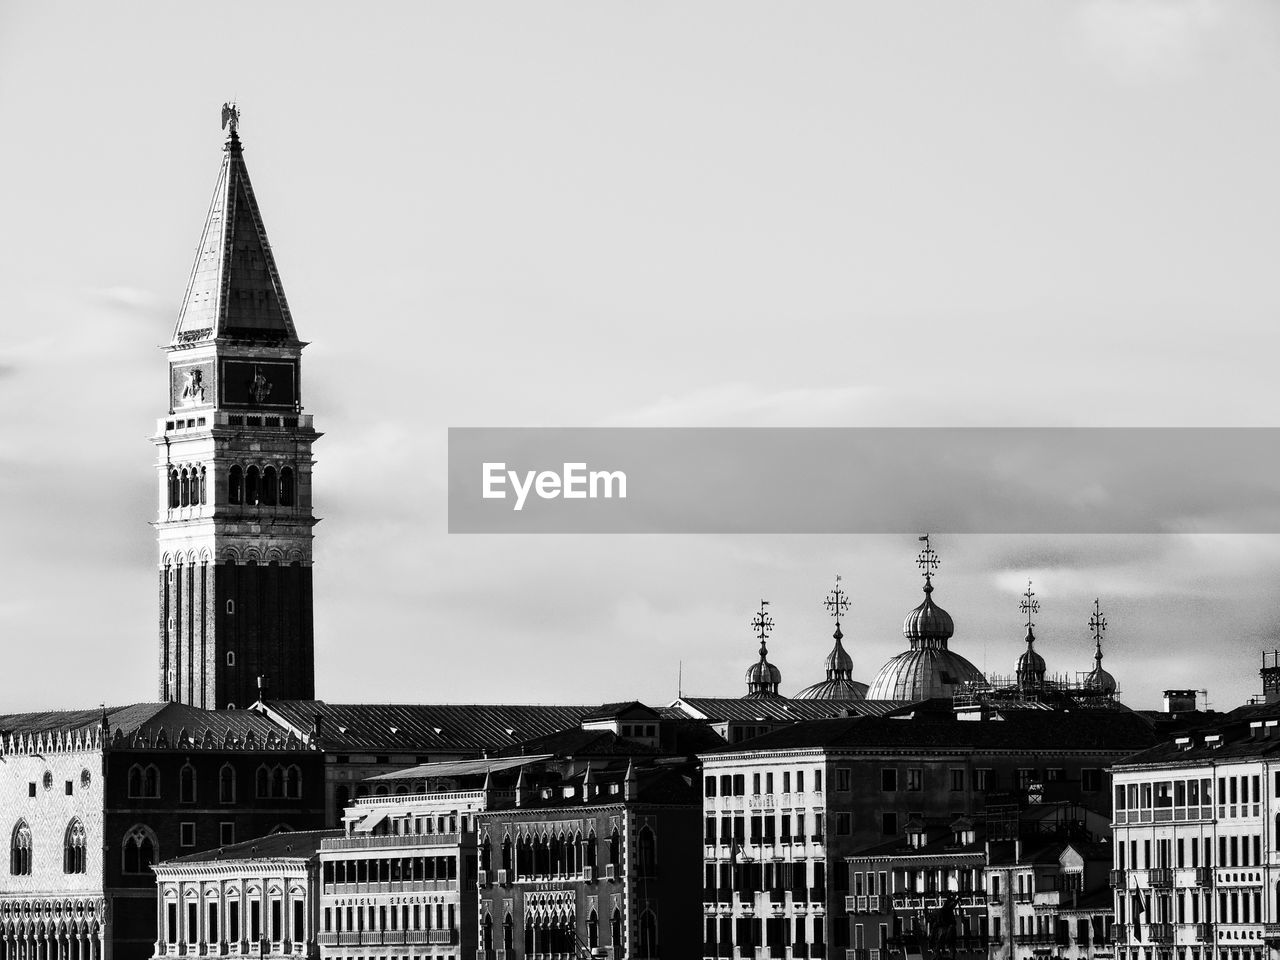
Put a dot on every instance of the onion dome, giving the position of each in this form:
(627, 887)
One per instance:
(1099, 679)
(927, 669)
(928, 624)
(1031, 666)
(839, 684)
(762, 676)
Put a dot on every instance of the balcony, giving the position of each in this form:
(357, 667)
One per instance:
(442, 937)
(1204, 876)
(1118, 879)
(1161, 877)
(1203, 932)
(1160, 932)
(1271, 934)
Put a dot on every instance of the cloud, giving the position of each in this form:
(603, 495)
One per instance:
(128, 298)
(1148, 40)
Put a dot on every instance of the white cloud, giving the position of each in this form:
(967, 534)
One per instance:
(1142, 40)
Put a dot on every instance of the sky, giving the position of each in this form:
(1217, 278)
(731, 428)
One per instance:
(661, 214)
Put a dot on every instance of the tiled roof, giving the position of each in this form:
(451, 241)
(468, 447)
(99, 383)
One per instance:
(146, 718)
(581, 744)
(287, 844)
(765, 709)
(1019, 731)
(423, 728)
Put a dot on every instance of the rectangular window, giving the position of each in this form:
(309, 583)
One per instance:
(68, 787)
(817, 780)
(255, 920)
(226, 833)
(889, 824)
(984, 780)
(211, 924)
(275, 922)
(739, 785)
(844, 779)
(915, 779)
(233, 920)
(171, 927)
(755, 784)
(298, 928)
(889, 779)
(786, 782)
(957, 779)
(709, 786)
(799, 781)
(1090, 780)
(844, 824)
(192, 935)
(187, 833)
(768, 783)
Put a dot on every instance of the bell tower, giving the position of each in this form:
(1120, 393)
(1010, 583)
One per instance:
(234, 470)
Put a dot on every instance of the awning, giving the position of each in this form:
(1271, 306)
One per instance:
(368, 823)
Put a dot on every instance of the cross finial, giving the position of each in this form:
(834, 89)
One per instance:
(762, 623)
(927, 560)
(1098, 623)
(837, 602)
(1029, 605)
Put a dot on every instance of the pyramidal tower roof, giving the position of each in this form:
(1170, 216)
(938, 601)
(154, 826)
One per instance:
(235, 290)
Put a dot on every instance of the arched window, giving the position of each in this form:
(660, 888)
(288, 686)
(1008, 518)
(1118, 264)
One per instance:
(235, 485)
(135, 781)
(615, 929)
(269, 488)
(173, 489)
(251, 492)
(73, 848)
(184, 488)
(507, 863)
(589, 853)
(648, 935)
(593, 930)
(646, 852)
(204, 493)
(227, 784)
(277, 781)
(486, 934)
(20, 850)
(508, 941)
(187, 784)
(615, 849)
(293, 782)
(151, 782)
(263, 782)
(139, 850)
(286, 486)
(486, 855)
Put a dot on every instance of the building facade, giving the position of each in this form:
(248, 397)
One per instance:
(93, 800)
(1197, 843)
(251, 899)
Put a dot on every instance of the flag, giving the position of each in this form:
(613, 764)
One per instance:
(1139, 908)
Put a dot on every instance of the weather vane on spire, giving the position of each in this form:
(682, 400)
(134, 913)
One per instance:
(1029, 605)
(230, 116)
(837, 602)
(927, 560)
(1097, 622)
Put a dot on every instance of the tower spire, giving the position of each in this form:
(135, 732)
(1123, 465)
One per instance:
(1031, 666)
(839, 663)
(234, 290)
(927, 560)
(762, 676)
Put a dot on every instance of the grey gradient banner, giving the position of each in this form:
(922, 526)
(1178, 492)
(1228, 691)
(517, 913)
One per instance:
(864, 480)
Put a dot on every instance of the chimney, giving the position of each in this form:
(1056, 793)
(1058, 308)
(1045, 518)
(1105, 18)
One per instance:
(1270, 674)
(1180, 701)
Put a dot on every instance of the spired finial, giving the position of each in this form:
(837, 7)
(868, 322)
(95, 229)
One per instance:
(230, 116)
(1029, 605)
(927, 560)
(762, 624)
(837, 603)
(1098, 624)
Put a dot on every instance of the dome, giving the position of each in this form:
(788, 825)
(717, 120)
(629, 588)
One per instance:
(762, 676)
(928, 669)
(928, 623)
(834, 690)
(839, 684)
(1031, 666)
(1099, 679)
(921, 673)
